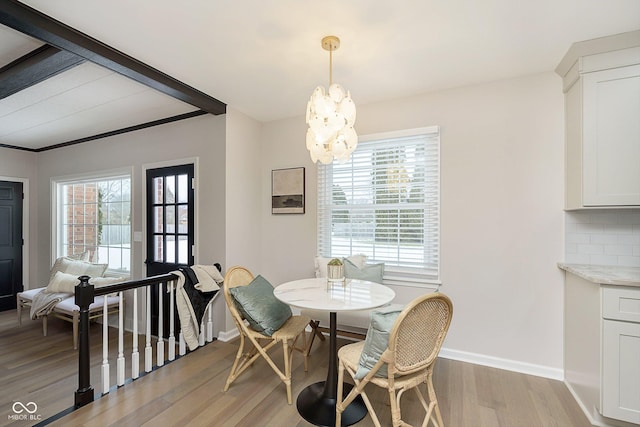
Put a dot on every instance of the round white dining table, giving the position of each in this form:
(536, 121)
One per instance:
(317, 402)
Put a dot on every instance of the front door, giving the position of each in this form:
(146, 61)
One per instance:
(170, 227)
(10, 243)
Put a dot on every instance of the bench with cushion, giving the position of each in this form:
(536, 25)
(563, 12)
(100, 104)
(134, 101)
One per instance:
(58, 295)
(67, 310)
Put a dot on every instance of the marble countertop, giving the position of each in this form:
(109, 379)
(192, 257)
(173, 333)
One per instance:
(605, 274)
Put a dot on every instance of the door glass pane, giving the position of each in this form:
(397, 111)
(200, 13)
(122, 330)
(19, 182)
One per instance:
(171, 219)
(171, 189)
(183, 217)
(158, 219)
(171, 249)
(182, 189)
(157, 190)
(158, 249)
(182, 250)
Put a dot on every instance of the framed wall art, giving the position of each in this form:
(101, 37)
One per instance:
(287, 191)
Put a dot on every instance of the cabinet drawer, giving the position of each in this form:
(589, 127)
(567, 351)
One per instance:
(621, 303)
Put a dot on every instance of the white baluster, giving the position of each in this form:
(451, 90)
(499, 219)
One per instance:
(210, 321)
(105, 347)
(183, 345)
(201, 334)
(135, 356)
(148, 352)
(120, 362)
(160, 346)
(172, 338)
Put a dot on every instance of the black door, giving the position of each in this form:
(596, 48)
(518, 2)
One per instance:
(170, 228)
(10, 243)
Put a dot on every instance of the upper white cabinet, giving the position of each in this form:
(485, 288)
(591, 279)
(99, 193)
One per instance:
(601, 83)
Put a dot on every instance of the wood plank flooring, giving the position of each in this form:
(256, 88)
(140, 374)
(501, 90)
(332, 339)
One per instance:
(188, 391)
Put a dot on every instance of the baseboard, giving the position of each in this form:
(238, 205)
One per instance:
(226, 336)
(506, 364)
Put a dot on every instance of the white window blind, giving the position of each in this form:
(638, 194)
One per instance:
(385, 203)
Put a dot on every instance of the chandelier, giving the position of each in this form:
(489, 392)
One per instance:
(330, 116)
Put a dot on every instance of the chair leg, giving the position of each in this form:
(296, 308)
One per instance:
(232, 373)
(433, 401)
(339, 407)
(287, 369)
(44, 325)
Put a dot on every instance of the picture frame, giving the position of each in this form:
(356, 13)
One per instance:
(287, 191)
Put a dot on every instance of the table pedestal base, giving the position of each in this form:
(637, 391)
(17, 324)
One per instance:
(318, 409)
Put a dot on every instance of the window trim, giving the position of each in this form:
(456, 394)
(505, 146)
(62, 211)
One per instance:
(402, 276)
(55, 205)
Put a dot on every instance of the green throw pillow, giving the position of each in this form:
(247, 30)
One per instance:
(377, 340)
(370, 272)
(264, 312)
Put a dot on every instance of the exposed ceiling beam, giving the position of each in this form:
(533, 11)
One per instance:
(37, 25)
(34, 67)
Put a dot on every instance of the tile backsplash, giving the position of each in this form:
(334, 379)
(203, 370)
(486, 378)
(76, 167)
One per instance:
(603, 237)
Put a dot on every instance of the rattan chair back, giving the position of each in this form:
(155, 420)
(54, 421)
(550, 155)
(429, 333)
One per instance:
(419, 332)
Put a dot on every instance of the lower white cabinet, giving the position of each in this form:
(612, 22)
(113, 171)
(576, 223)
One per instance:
(602, 350)
(620, 374)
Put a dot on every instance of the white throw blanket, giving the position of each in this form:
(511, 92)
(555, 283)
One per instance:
(43, 302)
(209, 279)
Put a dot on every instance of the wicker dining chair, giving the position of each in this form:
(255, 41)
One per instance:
(414, 344)
(288, 334)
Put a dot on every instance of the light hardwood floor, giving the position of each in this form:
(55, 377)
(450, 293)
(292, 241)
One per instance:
(188, 391)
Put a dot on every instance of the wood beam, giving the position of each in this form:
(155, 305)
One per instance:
(40, 26)
(35, 67)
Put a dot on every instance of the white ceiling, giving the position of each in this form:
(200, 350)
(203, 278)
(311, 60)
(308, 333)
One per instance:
(263, 57)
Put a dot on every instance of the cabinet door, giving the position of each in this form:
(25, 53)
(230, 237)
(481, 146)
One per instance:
(621, 370)
(611, 137)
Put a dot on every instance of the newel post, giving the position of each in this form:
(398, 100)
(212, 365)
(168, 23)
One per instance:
(84, 298)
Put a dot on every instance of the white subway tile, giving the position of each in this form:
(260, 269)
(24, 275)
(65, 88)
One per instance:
(603, 260)
(591, 249)
(618, 250)
(616, 228)
(629, 261)
(605, 239)
(591, 228)
(576, 259)
(579, 238)
(629, 239)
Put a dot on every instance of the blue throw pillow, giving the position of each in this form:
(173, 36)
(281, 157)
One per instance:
(377, 340)
(256, 302)
(370, 272)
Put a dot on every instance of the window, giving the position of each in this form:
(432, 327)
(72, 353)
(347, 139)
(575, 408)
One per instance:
(94, 220)
(385, 202)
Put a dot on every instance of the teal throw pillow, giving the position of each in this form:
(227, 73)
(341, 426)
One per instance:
(256, 302)
(377, 340)
(370, 272)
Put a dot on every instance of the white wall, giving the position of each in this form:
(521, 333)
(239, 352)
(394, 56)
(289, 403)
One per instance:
(502, 213)
(243, 194)
(201, 138)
